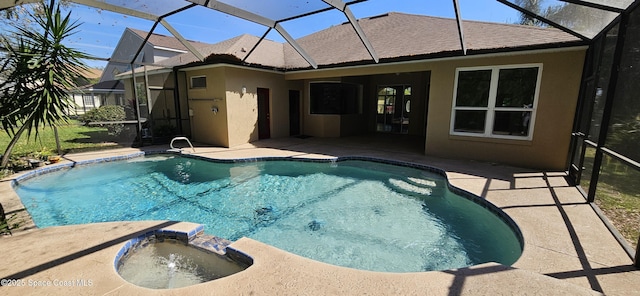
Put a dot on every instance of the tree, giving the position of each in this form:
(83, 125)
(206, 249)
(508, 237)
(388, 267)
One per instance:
(20, 13)
(533, 6)
(37, 71)
(583, 19)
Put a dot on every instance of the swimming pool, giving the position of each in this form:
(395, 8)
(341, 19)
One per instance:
(354, 213)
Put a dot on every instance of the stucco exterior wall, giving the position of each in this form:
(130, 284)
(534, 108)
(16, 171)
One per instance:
(161, 102)
(242, 109)
(318, 125)
(207, 126)
(323, 126)
(561, 77)
(163, 79)
(559, 88)
(236, 121)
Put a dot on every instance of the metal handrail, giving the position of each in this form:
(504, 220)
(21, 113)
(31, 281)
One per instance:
(182, 139)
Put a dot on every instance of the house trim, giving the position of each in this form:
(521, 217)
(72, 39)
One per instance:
(170, 49)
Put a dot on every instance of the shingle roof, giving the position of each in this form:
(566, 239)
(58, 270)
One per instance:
(268, 53)
(107, 85)
(91, 73)
(394, 36)
(165, 41)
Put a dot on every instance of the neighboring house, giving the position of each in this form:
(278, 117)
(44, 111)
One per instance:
(156, 48)
(85, 101)
(99, 94)
(510, 99)
(140, 48)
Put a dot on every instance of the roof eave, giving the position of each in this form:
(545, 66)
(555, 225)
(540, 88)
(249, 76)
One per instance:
(455, 54)
(412, 58)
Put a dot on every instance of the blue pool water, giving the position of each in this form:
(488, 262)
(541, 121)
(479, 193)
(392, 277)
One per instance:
(353, 213)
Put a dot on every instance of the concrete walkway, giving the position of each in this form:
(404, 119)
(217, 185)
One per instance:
(568, 250)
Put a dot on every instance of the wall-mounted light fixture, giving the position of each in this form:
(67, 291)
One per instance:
(243, 90)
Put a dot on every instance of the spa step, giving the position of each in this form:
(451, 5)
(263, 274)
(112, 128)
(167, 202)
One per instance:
(211, 243)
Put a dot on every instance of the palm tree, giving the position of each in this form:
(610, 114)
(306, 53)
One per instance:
(38, 71)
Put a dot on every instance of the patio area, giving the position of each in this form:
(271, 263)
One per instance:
(568, 250)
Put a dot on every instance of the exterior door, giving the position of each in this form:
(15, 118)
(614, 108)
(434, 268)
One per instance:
(162, 112)
(294, 112)
(394, 107)
(264, 116)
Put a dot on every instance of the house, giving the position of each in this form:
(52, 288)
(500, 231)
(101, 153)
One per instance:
(153, 48)
(98, 94)
(509, 99)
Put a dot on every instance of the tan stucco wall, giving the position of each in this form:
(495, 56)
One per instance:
(206, 126)
(548, 149)
(242, 110)
(323, 126)
(561, 77)
(164, 79)
(318, 125)
(236, 121)
(161, 101)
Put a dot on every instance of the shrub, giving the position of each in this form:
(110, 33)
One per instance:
(106, 113)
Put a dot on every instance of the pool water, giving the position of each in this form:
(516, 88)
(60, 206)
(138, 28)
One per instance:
(359, 214)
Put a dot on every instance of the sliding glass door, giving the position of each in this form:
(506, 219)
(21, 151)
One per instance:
(394, 108)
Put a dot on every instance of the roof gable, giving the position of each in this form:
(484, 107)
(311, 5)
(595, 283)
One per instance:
(268, 53)
(160, 40)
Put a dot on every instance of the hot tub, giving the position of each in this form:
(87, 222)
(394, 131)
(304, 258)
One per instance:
(165, 260)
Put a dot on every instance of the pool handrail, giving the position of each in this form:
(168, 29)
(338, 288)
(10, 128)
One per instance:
(181, 139)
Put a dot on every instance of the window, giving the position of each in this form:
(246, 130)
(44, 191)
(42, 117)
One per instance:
(120, 100)
(141, 91)
(88, 100)
(496, 102)
(199, 82)
(335, 98)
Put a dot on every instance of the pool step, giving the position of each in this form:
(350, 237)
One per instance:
(417, 186)
(406, 187)
(422, 182)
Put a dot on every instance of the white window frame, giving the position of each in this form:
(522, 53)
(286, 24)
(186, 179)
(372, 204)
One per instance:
(87, 100)
(196, 77)
(490, 108)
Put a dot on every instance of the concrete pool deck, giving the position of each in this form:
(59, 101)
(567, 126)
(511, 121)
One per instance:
(568, 250)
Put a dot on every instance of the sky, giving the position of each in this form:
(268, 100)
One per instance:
(100, 31)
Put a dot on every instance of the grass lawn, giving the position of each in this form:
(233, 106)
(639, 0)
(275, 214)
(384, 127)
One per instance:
(74, 137)
(617, 194)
